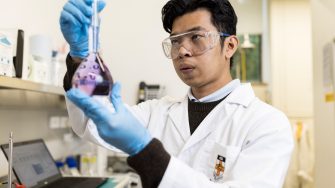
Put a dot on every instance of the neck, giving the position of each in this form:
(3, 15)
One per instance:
(205, 90)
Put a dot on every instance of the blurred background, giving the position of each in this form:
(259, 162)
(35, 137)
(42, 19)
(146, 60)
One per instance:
(286, 52)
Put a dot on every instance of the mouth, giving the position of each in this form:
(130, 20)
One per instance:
(186, 68)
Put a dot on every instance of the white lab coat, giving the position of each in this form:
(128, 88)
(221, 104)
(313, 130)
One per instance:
(254, 138)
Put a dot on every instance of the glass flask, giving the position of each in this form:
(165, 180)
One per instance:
(92, 75)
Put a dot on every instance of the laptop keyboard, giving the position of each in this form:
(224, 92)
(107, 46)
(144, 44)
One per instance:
(74, 182)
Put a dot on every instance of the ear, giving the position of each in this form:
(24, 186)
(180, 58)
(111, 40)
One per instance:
(231, 45)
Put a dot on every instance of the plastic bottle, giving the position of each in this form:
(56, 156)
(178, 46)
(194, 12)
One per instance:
(40, 52)
(55, 68)
(62, 168)
(73, 166)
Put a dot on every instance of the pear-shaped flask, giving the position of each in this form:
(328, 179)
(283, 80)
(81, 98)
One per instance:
(92, 75)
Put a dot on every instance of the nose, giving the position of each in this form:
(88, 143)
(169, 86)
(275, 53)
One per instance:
(184, 52)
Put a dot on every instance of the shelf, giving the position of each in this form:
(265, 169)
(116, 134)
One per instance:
(23, 94)
(16, 83)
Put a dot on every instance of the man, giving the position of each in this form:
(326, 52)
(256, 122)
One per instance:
(219, 135)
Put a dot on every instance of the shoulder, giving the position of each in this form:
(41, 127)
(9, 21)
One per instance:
(252, 110)
(164, 102)
(266, 118)
(265, 110)
(145, 110)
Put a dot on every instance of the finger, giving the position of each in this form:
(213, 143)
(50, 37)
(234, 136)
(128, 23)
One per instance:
(79, 98)
(101, 4)
(92, 109)
(77, 13)
(115, 97)
(88, 2)
(85, 8)
(68, 18)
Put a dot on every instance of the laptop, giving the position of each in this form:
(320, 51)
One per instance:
(34, 167)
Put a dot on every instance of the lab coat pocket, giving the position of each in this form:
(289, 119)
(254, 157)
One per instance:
(221, 162)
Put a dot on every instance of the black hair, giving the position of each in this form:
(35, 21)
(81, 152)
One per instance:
(223, 16)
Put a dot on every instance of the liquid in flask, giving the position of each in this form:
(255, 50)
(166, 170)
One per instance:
(92, 76)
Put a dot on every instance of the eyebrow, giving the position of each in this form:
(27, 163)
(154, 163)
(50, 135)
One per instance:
(197, 28)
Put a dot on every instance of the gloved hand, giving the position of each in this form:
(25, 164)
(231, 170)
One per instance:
(120, 128)
(74, 22)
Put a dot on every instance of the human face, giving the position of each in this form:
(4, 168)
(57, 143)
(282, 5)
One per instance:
(209, 71)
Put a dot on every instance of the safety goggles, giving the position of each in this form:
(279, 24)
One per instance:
(196, 42)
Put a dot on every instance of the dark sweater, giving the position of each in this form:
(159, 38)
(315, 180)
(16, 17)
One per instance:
(152, 161)
(197, 111)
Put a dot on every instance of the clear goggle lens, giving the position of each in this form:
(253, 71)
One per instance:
(196, 42)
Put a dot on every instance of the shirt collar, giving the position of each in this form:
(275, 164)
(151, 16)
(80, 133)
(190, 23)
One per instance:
(217, 95)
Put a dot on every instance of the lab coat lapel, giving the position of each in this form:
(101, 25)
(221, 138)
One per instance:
(242, 95)
(179, 116)
(207, 126)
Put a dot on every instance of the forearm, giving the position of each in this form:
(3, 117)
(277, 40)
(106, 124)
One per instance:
(151, 163)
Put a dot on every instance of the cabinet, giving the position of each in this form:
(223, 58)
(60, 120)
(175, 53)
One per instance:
(25, 109)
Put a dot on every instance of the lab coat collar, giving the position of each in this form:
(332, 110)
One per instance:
(242, 95)
(208, 125)
(217, 95)
(179, 116)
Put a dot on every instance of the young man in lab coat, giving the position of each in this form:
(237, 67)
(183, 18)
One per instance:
(218, 135)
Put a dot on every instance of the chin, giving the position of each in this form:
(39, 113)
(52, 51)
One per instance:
(190, 80)
(191, 83)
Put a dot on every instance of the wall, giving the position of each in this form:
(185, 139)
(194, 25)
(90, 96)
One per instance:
(249, 13)
(323, 27)
(292, 65)
(291, 71)
(34, 17)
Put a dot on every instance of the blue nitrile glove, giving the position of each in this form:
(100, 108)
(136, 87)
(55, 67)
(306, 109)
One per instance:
(74, 22)
(120, 128)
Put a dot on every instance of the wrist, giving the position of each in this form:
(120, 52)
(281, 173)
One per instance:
(151, 163)
(76, 59)
(145, 142)
(141, 145)
(78, 55)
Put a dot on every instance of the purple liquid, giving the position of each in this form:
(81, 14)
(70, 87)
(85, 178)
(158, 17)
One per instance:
(91, 78)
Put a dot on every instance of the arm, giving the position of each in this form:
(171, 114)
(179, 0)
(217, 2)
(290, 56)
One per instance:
(84, 127)
(261, 163)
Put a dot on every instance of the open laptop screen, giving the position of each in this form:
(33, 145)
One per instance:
(32, 163)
